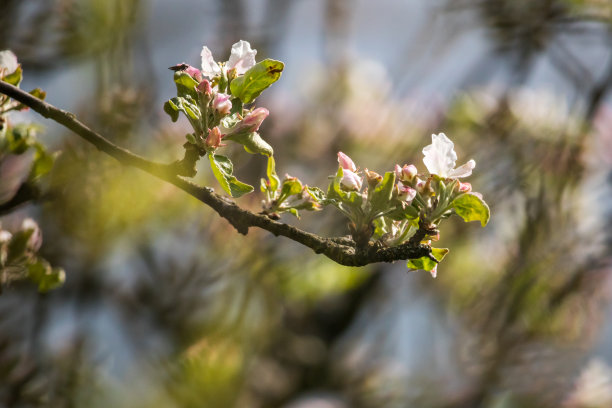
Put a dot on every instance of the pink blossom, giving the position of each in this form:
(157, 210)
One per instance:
(465, 187)
(213, 139)
(350, 180)
(204, 87)
(406, 193)
(253, 120)
(222, 103)
(346, 163)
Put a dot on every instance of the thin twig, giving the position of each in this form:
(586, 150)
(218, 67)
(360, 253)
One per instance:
(339, 249)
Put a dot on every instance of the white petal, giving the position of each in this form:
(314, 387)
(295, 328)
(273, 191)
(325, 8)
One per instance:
(209, 67)
(8, 62)
(351, 180)
(463, 171)
(440, 157)
(242, 57)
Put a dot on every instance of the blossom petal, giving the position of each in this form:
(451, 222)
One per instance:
(463, 171)
(346, 163)
(440, 156)
(209, 67)
(351, 180)
(242, 57)
(8, 62)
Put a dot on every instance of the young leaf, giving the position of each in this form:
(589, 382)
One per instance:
(45, 277)
(185, 85)
(43, 162)
(382, 193)
(223, 170)
(425, 263)
(252, 142)
(471, 207)
(15, 77)
(271, 172)
(260, 76)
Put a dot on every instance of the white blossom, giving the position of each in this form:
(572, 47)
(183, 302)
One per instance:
(8, 62)
(440, 158)
(241, 58)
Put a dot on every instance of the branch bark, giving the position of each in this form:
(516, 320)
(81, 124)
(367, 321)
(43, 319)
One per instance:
(337, 249)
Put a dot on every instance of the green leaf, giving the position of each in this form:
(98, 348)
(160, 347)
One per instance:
(18, 244)
(316, 193)
(471, 207)
(45, 277)
(38, 93)
(252, 142)
(43, 162)
(295, 213)
(171, 109)
(425, 263)
(20, 137)
(15, 77)
(260, 76)
(382, 193)
(186, 105)
(185, 85)
(271, 172)
(291, 187)
(223, 169)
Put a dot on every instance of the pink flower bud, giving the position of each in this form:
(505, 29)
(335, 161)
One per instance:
(409, 172)
(213, 139)
(35, 240)
(406, 173)
(194, 72)
(191, 71)
(351, 180)
(346, 163)
(420, 185)
(434, 271)
(253, 120)
(406, 193)
(222, 104)
(465, 187)
(204, 87)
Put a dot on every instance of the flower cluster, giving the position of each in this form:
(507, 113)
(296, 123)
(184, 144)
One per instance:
(213, 99)
(289, 195)
(404, 204)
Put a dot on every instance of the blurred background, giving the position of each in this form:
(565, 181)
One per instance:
(165, 305)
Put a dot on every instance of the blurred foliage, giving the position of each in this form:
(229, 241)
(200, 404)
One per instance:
(165, 305)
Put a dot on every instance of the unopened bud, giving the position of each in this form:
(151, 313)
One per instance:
(35, 240)
(191, 71)
(346, 162)
(406, 173)
(373, 178)
(222, 104)
(465, 187)
(351, 180)
(406, 193)
(213, 140)
(204, 87)
(253, 120)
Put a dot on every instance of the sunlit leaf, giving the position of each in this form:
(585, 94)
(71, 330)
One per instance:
(425, 263)
(259, 77)
(252, 142)
(45, 277)
(223, 169)
(471, 207)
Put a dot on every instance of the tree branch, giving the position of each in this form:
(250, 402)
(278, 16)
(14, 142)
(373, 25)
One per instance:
(340, 250)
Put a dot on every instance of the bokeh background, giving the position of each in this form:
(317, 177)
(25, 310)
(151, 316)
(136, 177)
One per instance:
(165, 305)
